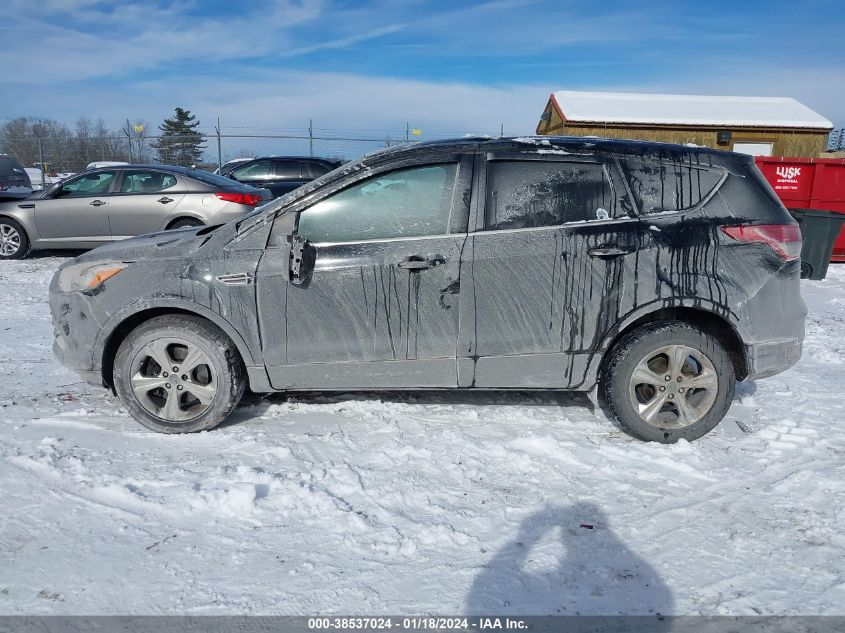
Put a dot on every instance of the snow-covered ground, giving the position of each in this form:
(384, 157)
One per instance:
(427, 503)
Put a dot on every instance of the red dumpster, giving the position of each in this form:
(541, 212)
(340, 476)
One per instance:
(809, 183)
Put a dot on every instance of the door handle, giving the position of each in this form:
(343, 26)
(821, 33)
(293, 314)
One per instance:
(418, 263)
(165, 200)
(608, 251)
(97, 203)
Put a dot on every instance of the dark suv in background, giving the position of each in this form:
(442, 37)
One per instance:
(661, 273)
(281, 174)
(12, 174)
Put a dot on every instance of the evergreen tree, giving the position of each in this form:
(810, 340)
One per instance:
(180, 143)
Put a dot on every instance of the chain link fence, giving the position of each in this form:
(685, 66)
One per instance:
(72, 153)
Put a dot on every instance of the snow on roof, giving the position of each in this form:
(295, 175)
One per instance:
(622, 107)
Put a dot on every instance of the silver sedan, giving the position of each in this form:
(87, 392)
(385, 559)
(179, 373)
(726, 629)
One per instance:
(114, 203)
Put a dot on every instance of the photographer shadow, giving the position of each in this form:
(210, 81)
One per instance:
(566, 560)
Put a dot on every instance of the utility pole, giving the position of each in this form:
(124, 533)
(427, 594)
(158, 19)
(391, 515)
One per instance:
(128, 131)
(311, 137)
(219, 148)
(407, 132)
(41, 157)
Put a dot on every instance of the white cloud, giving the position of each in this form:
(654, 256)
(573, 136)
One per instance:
(275, 100)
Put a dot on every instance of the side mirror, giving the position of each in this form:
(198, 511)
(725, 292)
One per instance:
(302, 258)
(52, 190)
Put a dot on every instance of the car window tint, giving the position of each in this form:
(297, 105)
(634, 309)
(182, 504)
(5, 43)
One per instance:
(404, 203)
(146, 181)
(288, 169)
(317, 169)
(530, 194)
(259, 170)
(88, 184)
(664, 186)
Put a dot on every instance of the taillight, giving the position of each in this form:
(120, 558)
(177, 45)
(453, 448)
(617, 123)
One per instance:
(783, 239)
(249, 199)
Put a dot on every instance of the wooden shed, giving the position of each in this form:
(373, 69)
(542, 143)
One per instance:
(762, 126)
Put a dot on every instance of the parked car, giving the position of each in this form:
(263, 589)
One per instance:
(282, 174)
(12, 174)
(114, 203)
(228, 166)
(661, 273)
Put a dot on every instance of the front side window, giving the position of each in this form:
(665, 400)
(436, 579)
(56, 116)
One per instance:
(94, 184)
(531, 194)
(665, 186)
(259, 170)
(146, 182)
(405, 203)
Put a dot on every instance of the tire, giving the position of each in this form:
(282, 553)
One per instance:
(14, 242)
(192, 398)
(689, 403)
(185, 223)
(806, 270)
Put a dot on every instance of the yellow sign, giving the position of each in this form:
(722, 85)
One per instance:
(416, 132)
(139, 128)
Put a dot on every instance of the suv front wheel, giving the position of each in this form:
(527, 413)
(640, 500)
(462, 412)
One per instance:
(178, 374)
(667, 381)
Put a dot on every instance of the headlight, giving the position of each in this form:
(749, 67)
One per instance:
(88, 276)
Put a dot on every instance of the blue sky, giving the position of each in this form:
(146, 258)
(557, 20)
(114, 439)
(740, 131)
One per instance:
(447, 67)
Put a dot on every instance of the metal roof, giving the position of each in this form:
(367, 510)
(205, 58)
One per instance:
(666, 109)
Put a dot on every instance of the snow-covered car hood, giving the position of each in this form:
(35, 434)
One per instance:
(175, 243)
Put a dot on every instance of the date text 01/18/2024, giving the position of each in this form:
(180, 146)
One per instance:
(416, 623)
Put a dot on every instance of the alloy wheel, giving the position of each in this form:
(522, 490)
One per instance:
(10, 240)
(673, 387)
(173, 379)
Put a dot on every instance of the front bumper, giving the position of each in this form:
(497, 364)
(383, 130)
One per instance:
(75, 331)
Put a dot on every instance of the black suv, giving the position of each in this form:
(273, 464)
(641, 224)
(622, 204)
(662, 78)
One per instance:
(281, 174)
(660, 273)
(12, 174)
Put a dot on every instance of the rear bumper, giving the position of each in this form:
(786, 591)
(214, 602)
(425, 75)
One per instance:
(770, 358)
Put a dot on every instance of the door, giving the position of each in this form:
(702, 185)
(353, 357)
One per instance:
(77, 214)
(380, 307)
(551, 267)
(143, 201)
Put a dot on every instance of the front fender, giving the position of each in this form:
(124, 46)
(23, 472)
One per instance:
(157, 305)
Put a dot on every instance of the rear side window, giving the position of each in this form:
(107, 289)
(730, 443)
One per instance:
(146, 181)
(531, 194)
(667, 186)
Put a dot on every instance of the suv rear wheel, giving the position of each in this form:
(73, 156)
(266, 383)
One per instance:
(178, 374)
(667, 381)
